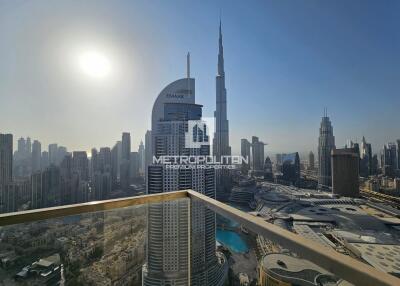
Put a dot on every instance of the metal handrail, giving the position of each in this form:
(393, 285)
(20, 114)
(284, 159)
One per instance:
(95, 206)
(343, 266)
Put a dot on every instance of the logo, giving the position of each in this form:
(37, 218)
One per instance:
(198, 134)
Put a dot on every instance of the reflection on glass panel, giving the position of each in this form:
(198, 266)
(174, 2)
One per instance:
(102, 248)
(254, 259)
(238, 244)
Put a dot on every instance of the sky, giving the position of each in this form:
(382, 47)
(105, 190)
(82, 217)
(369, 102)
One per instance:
(284, 62)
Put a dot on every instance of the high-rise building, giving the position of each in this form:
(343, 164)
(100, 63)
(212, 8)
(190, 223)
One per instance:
(102, 185)
(44, 162)
(61, 153)
(221, 135)
(345, 172)
(37, 198)
(398, 154)
(148, 149)
(36, 156)
(114, 164)
(28, 147)
(221, 138)
(375, 164)
(389, 160)
(311, 161)
(104, 159)
(6, 165)
(51, 190)
(291, 168)
(168, 238)
(6, 158)
(80, 164)
(268, 173)
(125, 173)
(245, 148)
(365, 158)
(67, 192)
(142, 158)
(53, 154)
(257, 151)
(326, 143)
(94, 165)
(102, 173)
(126, 145)
(21, 146)
(22, 159)
(135, 165)
(14, 194)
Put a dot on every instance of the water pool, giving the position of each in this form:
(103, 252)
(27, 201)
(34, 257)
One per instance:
(232, 240)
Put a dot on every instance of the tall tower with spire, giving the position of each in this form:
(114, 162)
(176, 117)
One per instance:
(326, 143)
(221, 136)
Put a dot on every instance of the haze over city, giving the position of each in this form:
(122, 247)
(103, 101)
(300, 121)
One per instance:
(81, 73)
(207, 143)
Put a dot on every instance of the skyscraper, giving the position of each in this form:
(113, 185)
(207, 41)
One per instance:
(326, 143)
(21, 146)
(125, 163)
(80, 164)
(36, 156)
(168, 238)
(221, 136)
(94, 165)
(398, 154)
(148, 149)
(114, 163)
(389, 160)
(291, 168)
(28, 147)
(126, 145)
(102, 173)
(61, 153)
(365, 158)
(345, 172)
(44, 162)
(53, 154)
(6, 164)
(245, 152)
(22, 159)
(311, 161)
(6, 158)
(134, 165)
(257, 150)
(142, 158)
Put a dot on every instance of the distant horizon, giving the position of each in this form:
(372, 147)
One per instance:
(284, 63)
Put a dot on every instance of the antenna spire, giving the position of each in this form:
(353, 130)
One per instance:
(188, 65)
(325, 112)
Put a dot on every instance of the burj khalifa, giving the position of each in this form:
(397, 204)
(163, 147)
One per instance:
(221, 136)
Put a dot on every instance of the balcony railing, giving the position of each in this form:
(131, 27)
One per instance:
(120, 226)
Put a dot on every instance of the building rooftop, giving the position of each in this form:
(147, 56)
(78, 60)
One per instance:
(385, 257)
(291, 269)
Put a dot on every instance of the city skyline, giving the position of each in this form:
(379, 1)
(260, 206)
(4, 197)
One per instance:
(120, 164)
(346, 88)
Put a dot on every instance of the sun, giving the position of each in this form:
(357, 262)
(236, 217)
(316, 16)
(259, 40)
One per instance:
(95, 64)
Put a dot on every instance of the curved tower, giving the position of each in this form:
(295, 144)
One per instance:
(176, 255)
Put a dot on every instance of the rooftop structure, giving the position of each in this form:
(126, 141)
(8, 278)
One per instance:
(283, 269)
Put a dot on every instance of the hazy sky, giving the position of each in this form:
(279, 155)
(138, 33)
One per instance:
(284, 60)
